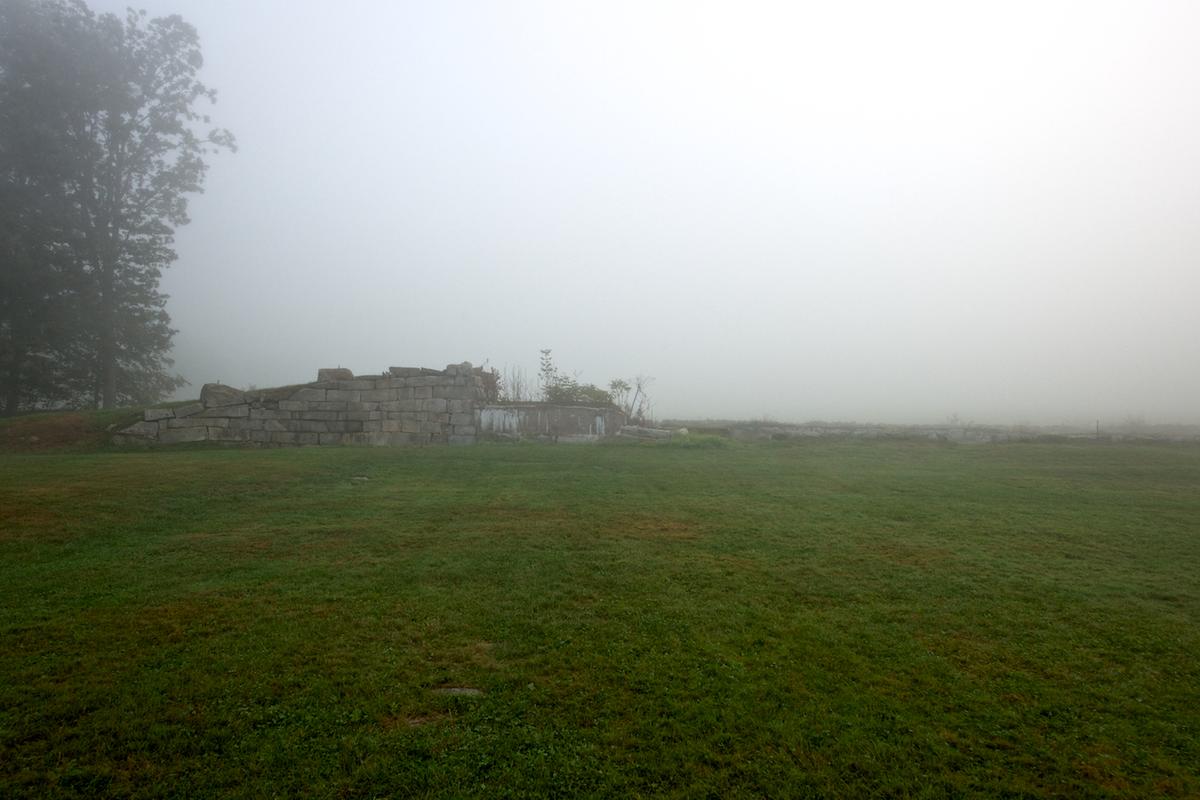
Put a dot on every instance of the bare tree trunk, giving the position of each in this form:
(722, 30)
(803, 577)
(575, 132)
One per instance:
(16, 366)
(12, 386)
(107, 354)
(108, 375)
(106, 345)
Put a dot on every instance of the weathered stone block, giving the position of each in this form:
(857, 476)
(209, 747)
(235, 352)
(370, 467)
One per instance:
(259, 436)
(327, 405)
(422, 392)
(180, 435)
(461, 407)
(361, 416)
(218, 394)
(318, 415)
(308, 438)
(269, 413)
(308, 395)
(187, 422)
(462, 419)
(308, 426)
(290, 405)
(453, 392)
(144, 428)
(335, 374)
(188, 410)
(437, 405)
(247, 424)
(152, 414)
(411, 425)
(377, 395)
(404, 372)
(390, 426)
(461, 439)
(464, 430)
(329, 438)
(225, 411)
(277, 425)
(348, 395)
(225, 435)
(283, 437)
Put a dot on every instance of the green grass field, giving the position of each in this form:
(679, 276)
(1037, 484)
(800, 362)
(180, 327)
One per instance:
(851, 619)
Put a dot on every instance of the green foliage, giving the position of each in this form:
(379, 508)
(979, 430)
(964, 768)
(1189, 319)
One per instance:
(99, 148)
(827, 619)
(558, 387)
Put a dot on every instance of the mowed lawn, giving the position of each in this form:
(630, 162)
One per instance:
(821, 619)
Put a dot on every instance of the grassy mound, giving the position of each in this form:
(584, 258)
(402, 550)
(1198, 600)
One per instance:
(63, 430)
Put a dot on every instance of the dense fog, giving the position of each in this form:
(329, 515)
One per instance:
(891, 212)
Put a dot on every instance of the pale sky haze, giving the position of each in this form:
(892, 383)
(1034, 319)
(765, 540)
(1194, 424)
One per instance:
(883, 212)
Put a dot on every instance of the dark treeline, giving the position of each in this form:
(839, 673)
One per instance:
(99, 148)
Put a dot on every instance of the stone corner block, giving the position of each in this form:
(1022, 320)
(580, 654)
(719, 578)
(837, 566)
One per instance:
(145, 428)
(217, 394)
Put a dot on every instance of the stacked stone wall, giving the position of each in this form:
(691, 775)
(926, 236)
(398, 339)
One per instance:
(405, 406)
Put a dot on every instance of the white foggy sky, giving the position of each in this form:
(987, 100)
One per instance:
(872, 211)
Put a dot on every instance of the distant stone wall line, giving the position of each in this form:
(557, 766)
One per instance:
(404, 406)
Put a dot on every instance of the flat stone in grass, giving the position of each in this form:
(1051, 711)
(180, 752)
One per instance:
(458, 691)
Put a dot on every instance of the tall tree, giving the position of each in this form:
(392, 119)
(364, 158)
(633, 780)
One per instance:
(43, 84)
(119, 103)
(146, 157)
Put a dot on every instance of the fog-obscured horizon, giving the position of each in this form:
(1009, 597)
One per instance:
(891, 212)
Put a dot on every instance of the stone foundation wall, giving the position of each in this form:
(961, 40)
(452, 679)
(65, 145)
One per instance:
(405, 406)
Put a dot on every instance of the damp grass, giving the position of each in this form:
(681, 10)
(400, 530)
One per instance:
(824, 619)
